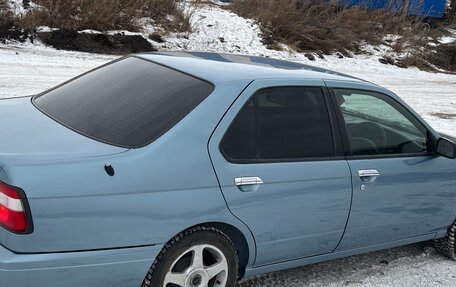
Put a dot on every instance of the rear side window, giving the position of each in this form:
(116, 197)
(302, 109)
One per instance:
(129, 103)
(284, 123)
(240, 141)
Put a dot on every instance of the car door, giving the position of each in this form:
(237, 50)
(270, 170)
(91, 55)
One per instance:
(278, 160)
(401, 189)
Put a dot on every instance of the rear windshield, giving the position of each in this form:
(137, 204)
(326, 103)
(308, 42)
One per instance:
(129, 103)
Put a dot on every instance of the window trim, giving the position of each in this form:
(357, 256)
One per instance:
(344, 132)
(145, 144)
(338, 153)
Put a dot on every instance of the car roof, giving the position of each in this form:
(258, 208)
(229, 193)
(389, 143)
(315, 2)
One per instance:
(231, 67)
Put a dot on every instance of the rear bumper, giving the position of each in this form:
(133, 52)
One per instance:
(118, 267)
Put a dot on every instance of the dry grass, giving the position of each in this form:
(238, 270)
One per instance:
(6, 16)
(452, 14)
(9, 25)
(3, 5)
(328, 27)
(106, 15)
(445, 116)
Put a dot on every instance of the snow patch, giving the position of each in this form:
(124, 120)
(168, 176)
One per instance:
(17, 7)
(45, 29)
(36, 67)
(447, 39)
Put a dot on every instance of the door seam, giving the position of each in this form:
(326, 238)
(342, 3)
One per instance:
(217, 177)
(351, 205)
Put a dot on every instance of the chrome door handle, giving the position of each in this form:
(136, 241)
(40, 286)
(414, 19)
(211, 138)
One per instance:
(368, 173)
(241, 181)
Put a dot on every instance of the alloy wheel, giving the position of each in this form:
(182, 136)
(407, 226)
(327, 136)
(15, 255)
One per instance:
(198, 266)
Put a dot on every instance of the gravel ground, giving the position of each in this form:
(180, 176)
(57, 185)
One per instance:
(409, 266)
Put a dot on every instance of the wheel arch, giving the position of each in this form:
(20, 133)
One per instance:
(239, 240)
(244, 243)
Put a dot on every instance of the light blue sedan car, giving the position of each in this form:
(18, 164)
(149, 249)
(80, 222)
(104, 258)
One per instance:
(197, 169)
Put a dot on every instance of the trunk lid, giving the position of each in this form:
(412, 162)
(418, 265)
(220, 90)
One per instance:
(29, 135)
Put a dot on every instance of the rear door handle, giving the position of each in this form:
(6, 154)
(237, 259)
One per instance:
(368, 175)
(242, 181)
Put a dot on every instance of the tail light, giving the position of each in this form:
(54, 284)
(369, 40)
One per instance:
(14, 211)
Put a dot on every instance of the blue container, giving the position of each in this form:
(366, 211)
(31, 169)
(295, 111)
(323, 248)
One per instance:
(425, 8)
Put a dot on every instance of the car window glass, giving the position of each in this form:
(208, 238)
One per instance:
(285, 123)
(128, 103)
(378, 125)
(240, 141)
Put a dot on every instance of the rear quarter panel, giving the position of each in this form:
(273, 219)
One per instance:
(156, 192)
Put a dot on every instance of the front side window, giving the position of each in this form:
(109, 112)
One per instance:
(128, 103)
(378, 125)
(283, 123)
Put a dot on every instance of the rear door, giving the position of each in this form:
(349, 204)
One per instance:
(278, 159)
(401, 189)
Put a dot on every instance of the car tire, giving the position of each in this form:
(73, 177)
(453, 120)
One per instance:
(447, 245)
(216, 265)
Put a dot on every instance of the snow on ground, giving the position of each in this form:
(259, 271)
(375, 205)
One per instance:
(31, 68)
(410, 266)
(219, 30)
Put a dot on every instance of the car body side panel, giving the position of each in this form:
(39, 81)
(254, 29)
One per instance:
(451, 138)
(28, 134)
(156, 192)
(413, 195)
(122, 268)
(331, 256)
(301, 209)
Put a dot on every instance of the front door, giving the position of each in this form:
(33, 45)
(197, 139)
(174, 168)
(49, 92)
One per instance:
(400, 189)
(281, 170)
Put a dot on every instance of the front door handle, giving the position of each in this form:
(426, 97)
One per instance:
(242, 181)
(368, 175)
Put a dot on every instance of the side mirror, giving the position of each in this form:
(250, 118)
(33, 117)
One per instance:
(446, 148)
